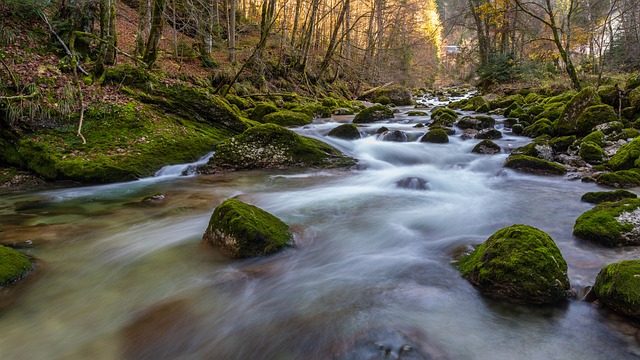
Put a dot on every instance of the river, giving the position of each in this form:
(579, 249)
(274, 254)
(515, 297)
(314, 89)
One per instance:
(126, 279)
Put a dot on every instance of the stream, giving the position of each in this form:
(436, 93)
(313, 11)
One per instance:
(125, 278)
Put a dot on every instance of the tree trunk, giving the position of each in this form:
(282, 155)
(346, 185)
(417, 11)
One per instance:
(232, 32)
(143, 26)
(151, 51)
(333, 42)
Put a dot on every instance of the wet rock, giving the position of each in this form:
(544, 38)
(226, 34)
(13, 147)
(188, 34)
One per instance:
(625, 158)
(568, 121)
(490, 134)
(617, 286)
(287, 118)
(594, 116)
(438, 136)
(413, 183)
(620, 179)
(381, 130)
(342, 111)
(345, 131)
(372, 114)
(389, 343)
(519, 264)
(477, 123)
(591, 152)
(486, 147)
(610, 127)
(241, 230)
(597, 197)
(611, 223)
(153, 200)
(468, 134)
(394, 135)
(534, 165)
(416, 113)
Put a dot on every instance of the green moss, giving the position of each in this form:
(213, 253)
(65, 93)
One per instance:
(486, 147)
(591, 152)
(600, 225)
(272, 146)
(540, 127)
(620, 179)
(372, 114)
(416, 113)
(597, 197)
(625, 134)
(345, 131)
(517, 129)
(127, 75)
(562, 144)
(533, 165)
(535, 110)
(593, 116)
(518, 263)
(330, 103)
(596, 137)
(287, 118)
(532, 98)
(242, 230)
(438, 136)
(568, 122)
(443, 118)
(539, 147)
(634, 98)
(261, 110)
(507, 101)
(551, 112)
(618, 287)
(626, 156)
(394, 94)
(241, 103)
(13, 266)
(633, 82)
(608, 94)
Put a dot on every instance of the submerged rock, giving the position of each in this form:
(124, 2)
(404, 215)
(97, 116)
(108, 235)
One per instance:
(394, 135)
(597, 197)
(241, 230)
(272, 146)
(413, 183)
(486, 147)
(520, 264)
(618, 287)
(611, 223)
(533, 165)
(345, 131)
(13, 266)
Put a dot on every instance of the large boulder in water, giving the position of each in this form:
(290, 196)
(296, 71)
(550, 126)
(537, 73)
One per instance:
(438, 136)
(372, 114)
(345, 131)
(594, 116)
(533, 165)
(618, 287)
(394, 94)
(241, 230)
(597, 197)
(13, 266)
(486, 147)
(611, 223)
(272, 146)
(567, 123)
(393, 135)
(287, 118)
(413, 183)
(627, 156)
(520, 264)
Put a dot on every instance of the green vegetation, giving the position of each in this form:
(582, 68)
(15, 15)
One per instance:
(287, 118)
(597, 197)
(600, 225)
(626, 157)
(593, 116)
(241, 230)
(534, 165)
(620, 179)
(13, 266)
(518, 263)
(486, 147)
(345, 131)
(591, 152)
(261, 110)
(618, 287)
(568, 122)
(438, 136)
(372, 114)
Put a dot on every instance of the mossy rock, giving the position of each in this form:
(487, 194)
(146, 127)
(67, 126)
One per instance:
(625, 134)
(596, 137)
(477, 123)
(633, 82)
(287, 118)
(532, 98)
(625, 158)
(416, 113)
(617, 286)
(440, 110)
(608, 94)
(330, 102)
(438, 136)
(517, 129)
(127, 75)
(13, 266)
(620, 179)
(372, 114)
(541, 127)
(486, 147)
(534, 165)
(561, 98)
(568, 122)
(272, 146)
(444, 119)
(345, 131)
(507, 101)
(594, 116)
(551, 112)
(394, 94)
(490, 134)
(591, 152)
(520, 264)
(562, 144)
(610, 223)
(261, 110)
(597, 197)
(536, 110)
(539, 147)
(634, 98)
(630, 113)
(241, 230)
(509, 122)
(241, 103)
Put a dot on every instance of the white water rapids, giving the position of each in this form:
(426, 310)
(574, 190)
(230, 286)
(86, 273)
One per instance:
(125, 280)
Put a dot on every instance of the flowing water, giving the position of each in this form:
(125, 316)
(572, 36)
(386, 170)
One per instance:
(125, 278)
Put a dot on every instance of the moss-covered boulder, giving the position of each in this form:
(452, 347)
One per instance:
(241, 230)
(438, 136)
(597, 197)
(477, 123)
(634, 98)
(372, 114)
(534, 165)
(13, 266)
(486, 147)
(591, 152)
(620, 179)
(596, 137)
(594, 116)
(543, 126)
(443, 119)
(633, 82)
(617, 286)
(416, 113)
(287, 118)
(608, 94)
(272, 146)
(540, 147)
(261, 110)
(394, 94)
(611, 223)
(561, 144)
(567, 123)
(507, 101)
(518, 263)
(241, 103)
(489, 134)
(345, 131)
(626, 157)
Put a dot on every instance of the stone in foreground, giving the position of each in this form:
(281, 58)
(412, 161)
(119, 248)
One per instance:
(611, 223)
(241, 230)
(618, 287)
(13, 266)
(519, 264)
